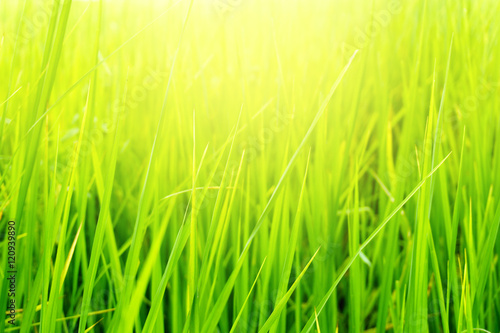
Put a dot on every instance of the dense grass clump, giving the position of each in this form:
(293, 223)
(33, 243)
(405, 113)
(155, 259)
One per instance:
(250, 166)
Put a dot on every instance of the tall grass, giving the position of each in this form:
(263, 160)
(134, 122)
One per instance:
(250, 166)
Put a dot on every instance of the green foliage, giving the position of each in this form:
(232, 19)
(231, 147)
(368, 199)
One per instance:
(250, 166)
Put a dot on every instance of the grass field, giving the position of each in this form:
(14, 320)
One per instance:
(250, 166)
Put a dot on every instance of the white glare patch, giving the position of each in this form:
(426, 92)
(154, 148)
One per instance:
(101, 58)
(365, 259)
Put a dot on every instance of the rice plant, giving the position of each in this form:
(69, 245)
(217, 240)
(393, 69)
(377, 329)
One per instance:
(249, 166)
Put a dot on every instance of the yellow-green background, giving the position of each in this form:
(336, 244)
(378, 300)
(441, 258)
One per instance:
(216, 165)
